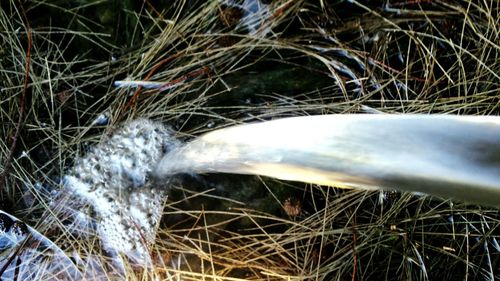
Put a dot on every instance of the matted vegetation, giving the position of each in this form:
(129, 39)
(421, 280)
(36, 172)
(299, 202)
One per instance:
(59, 60)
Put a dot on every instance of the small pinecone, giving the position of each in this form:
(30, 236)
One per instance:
(292, 207)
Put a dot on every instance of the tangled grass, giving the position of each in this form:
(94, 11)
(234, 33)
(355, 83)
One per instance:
(219, 68)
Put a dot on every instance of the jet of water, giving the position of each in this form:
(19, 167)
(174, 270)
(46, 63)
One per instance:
(450, 156)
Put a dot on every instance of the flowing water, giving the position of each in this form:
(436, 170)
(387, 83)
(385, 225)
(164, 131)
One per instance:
(450, 156)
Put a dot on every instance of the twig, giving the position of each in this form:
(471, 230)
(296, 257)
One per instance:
(162, 87)
(135, 96)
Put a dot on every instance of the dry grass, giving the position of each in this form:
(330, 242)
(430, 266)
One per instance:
(307, 57)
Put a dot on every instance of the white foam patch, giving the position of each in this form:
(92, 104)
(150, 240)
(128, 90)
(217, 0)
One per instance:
(112, 179)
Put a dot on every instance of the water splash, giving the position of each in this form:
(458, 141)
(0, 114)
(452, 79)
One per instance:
(108, 201)
(113, 181)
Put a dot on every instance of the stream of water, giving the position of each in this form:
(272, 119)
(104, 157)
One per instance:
(450, 156)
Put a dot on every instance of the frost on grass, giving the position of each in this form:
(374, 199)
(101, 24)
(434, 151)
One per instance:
(110, 193)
